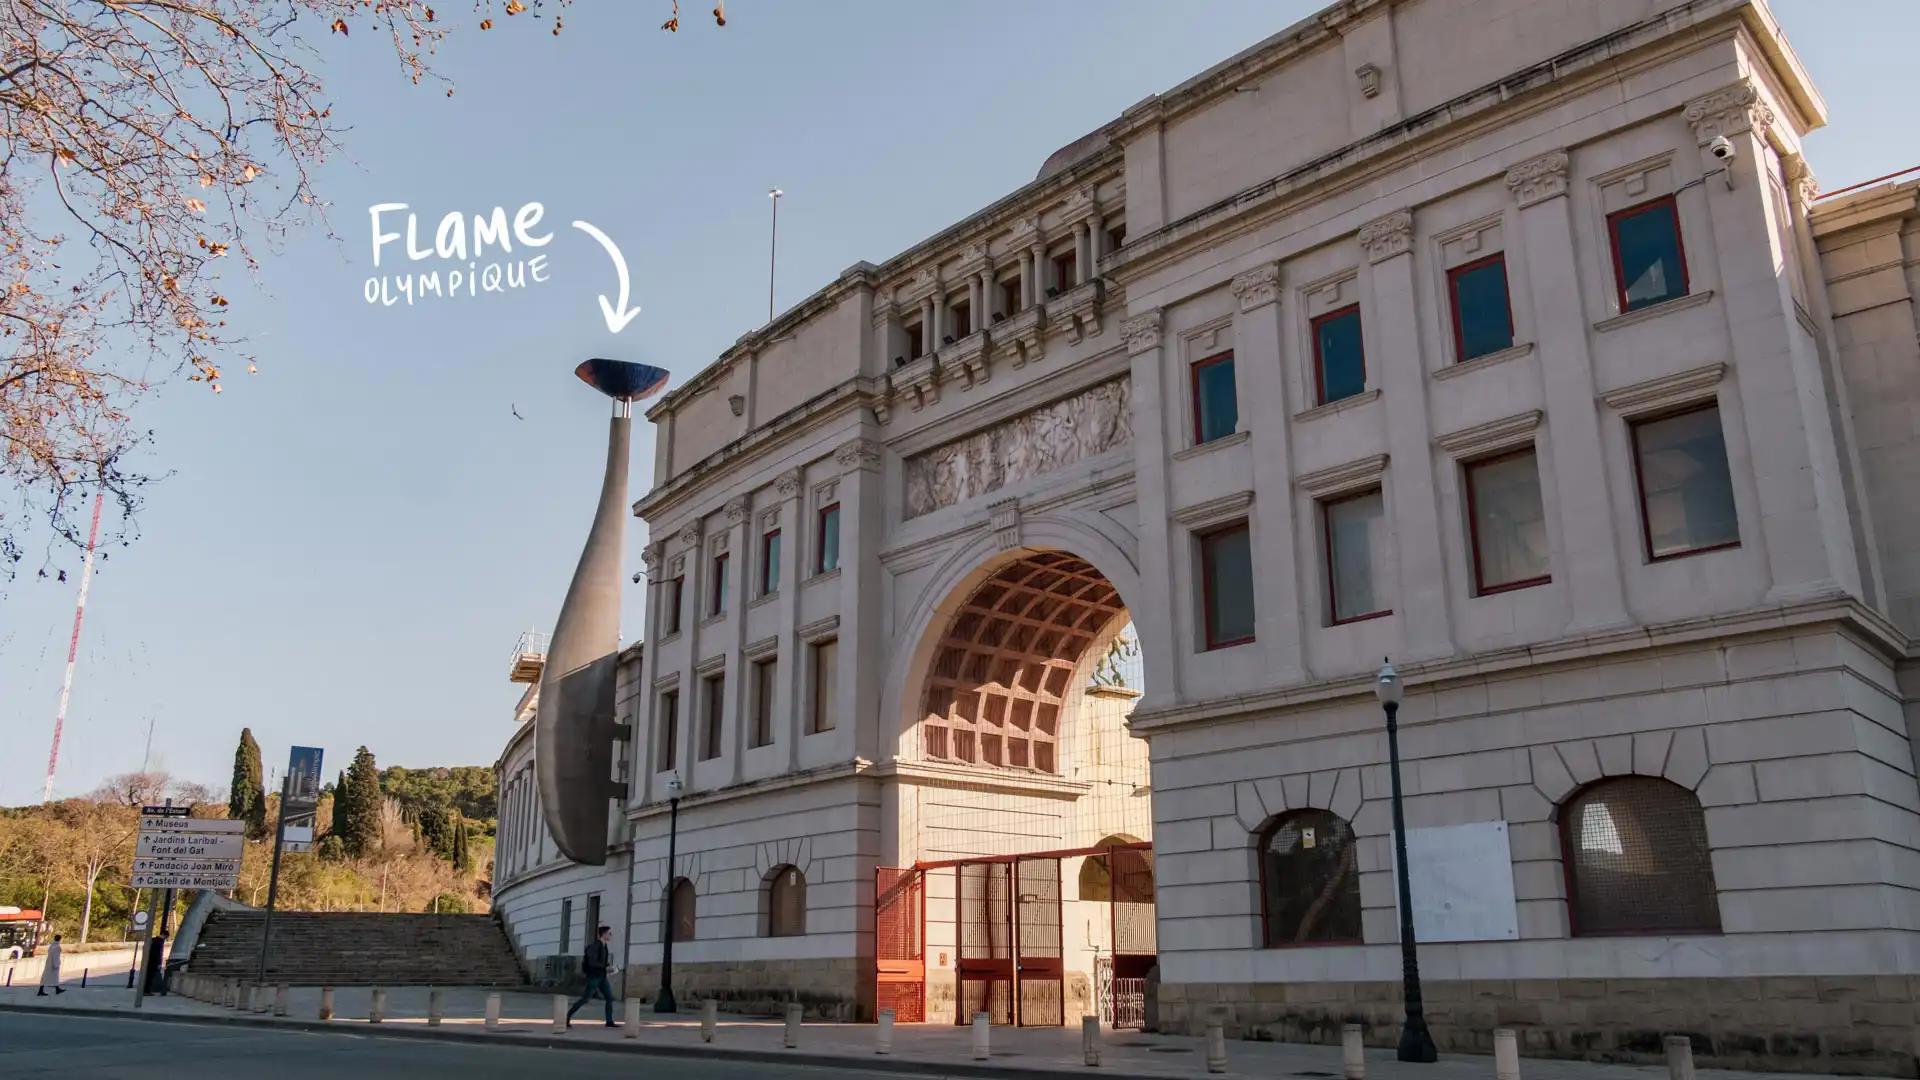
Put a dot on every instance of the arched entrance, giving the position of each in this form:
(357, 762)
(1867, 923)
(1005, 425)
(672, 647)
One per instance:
(1016, 767)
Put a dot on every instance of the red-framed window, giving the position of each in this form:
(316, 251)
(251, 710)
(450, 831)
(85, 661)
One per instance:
(1216, 407)
(1649, 255)
(770, 562)
(669, 726)
(824, 711)
(1506, 523)
(1685, 487)
(826, 539)
(717, 587)
(713, 713)
(1637, 860)
(1226, 585)
(1482, 308)
(763, 689)
(1354, 535)
(1309, 881)
(1065, 267)
(1339, 355)
(676, 596)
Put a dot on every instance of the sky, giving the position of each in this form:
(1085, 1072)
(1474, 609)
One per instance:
(348, 543)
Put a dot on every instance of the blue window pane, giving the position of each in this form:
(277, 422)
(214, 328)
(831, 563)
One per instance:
(830, 538)
(1343, 365)
(1647, 246)
(1483, 319)
(1213, 397)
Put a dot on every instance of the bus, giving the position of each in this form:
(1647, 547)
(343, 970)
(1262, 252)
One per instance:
(19, 932)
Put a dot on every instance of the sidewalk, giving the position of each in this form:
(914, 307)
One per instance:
(526, 1019)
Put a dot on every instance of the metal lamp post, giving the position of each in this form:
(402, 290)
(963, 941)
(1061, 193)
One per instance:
(1416, 1044)
(664, 1003)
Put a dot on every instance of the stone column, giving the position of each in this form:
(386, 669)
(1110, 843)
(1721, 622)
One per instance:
(1161, 650)
(654, 555)
(929, 325)
(1082, 253)
(746, 570)
(1039, 269)
(698, 567)
(1029, 280)
(983, 307)
(1394, 365)
(1097, 243)
(1259, 374)
(1580, 479)
(795, 535)
(1796, 463)
(863, 523)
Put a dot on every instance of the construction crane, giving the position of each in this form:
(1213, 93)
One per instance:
(73, 649)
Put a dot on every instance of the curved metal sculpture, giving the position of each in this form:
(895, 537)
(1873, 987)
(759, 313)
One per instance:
(574, 719)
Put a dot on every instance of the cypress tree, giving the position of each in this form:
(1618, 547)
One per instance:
(356, 811)
(246, 798)
(462, 850)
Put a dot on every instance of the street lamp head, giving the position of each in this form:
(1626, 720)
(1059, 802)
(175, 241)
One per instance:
(774, 193)
(622, 380)
(1386, 685)
(673, 786)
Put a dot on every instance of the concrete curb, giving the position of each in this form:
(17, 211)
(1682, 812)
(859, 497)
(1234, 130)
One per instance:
(868, 1063)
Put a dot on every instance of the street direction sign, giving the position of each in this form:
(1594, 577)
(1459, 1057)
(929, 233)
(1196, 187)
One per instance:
(165, 811)
(197, 825)
(174, 879)
(174, 851)
(190, 845)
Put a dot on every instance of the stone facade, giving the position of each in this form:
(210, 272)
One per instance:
(1766, 680)
(832, 989)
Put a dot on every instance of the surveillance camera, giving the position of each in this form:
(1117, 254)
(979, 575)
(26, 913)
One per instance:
(1721, 147)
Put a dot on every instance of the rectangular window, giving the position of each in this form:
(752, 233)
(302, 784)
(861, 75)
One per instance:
(1686, 491)
(1117, 237)
(1507, 524)
(1649, 263)
(827, 542)
(1482, 313)
(825, 656)
(717, 595)
(1357, 570)
(770, 562)
(1339, 358)
(960, 319)
(669, 722)
(916, 341)
(1226, 585)
(674, 597)
(566, 926)
(714, 710)
(1009, 298)
(763, 684)
(1216, 410)
(1064, 265)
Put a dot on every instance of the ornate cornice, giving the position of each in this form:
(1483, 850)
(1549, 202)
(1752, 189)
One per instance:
(1683, 387)
(1539, 179)
(857, 455)
(787, 484)
(1257, 287)
(1730, 111)
(1345, 477)
(1385, 237)
(690, 533)
(1502, 434)
(736, 509)
(1141, 332)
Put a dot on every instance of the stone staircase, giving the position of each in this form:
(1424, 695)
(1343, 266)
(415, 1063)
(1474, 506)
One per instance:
(338, 948)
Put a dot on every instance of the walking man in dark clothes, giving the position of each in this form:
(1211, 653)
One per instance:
(594, 964)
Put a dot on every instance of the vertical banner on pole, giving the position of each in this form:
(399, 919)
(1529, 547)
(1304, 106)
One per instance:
(299, 795)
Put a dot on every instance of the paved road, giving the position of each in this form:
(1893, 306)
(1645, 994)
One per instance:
(72, 1046)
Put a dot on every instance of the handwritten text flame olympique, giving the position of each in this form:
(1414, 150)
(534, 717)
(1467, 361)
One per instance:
(459, 239)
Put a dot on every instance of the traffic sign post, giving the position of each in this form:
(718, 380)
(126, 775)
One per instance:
(299, 795)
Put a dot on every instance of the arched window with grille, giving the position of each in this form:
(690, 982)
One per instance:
(680, 905)
(1309, 880)
(1637, 859)
(786, 902)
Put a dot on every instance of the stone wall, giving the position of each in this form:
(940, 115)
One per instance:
(830, 989)
(1845, 1024)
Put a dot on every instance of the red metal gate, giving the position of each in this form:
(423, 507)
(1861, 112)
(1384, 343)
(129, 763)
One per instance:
(983, 964)
(899, 939)
(1039, 971)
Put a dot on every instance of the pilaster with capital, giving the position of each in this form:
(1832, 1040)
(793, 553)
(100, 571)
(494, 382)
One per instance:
(1259, 371)
(1591, 566)
(1162, 645)
(1385, 237)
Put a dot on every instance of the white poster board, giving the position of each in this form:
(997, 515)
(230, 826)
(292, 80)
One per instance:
(1462, 883)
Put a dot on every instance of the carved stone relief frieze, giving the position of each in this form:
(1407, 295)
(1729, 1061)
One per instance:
(1039, 441)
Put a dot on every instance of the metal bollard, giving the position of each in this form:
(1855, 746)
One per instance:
(1090, 1039)
(9, 976)
(1506, 1054)
(280, 1000)
(1679, 1057)
(230, 995)
(83, 977)
(433, 1006)
(709, 1019)
(1216, 1047)
(493, 1012)
(633, 1019)
(377, 1006)
(795, 1013)
(326, 1003)
(559, 1013)
(1353, 1051)
(982, 1045)
(883, 1032)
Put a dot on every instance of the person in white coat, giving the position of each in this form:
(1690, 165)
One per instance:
(50, 971)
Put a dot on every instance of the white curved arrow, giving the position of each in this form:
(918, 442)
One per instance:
(617, 315)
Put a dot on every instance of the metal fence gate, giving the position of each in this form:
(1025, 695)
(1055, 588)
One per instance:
(1010, 963)
(900, 958)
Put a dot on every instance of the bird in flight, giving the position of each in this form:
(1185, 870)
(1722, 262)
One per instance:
(516, 412)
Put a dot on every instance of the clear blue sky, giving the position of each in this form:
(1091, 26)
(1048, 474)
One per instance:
(350, 540)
